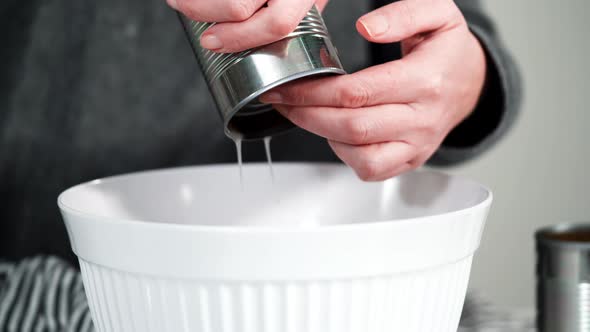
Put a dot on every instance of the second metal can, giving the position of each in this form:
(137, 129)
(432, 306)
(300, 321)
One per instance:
(563, 278)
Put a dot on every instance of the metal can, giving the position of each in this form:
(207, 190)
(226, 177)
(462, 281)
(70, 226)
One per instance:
(236, 80)
(563, 278)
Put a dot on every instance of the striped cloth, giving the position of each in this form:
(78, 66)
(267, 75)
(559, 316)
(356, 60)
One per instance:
(46, 294)
(42, 294)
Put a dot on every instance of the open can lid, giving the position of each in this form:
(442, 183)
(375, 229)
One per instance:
(563, 252)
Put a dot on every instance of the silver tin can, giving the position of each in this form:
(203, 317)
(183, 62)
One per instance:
(236, 80)
(563, 278)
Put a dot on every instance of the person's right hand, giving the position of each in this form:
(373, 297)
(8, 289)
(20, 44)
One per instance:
(244, 24)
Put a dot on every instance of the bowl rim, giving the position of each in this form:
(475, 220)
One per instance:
(170, 225)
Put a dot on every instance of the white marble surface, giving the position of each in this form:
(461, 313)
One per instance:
(498, 320)
(480, 314)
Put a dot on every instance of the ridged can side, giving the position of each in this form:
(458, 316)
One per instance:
(236, 80)
(214, 64)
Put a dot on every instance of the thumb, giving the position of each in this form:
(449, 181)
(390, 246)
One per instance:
(406, 18)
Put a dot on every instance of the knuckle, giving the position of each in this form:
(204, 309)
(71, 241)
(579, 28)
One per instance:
(240, 10)
(408, 14)
(395, 74)
(354, 96)
(183, 7)
(236, 44)
(358, 130)
(454, 13)
(172, 3)
(368, 170)
(281, 26)
(415, 163)
(293, 94)
(428, 126)
(446, 9)
(299, 118)
(369, 167)
(423, 125)
(297, 97)
(421, 158)
(434, 86)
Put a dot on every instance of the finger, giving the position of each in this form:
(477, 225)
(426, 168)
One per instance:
(321, 4)
(217, 11)
(403, 19)
(375, 162)
(353, 126)
(400, 81)
(267, 25)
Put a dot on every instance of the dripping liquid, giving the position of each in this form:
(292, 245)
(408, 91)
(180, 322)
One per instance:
(269, 158)
(238, 143)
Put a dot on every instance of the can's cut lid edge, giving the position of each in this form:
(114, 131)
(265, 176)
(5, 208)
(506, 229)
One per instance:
(543, 235)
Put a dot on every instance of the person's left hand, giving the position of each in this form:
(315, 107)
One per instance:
(391, 118)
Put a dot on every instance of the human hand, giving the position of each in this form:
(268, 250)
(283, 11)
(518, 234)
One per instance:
(244, 24)
(390, 118)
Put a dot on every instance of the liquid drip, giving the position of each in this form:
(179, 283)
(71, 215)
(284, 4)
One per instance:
(268, 157)
(238, 142)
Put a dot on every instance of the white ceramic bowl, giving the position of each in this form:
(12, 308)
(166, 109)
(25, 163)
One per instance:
(317, 251)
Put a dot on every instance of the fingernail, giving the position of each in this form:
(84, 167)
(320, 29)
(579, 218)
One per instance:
(271, 98)
(211, 42)
(374, 24)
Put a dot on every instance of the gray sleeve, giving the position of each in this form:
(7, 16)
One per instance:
(500, 100)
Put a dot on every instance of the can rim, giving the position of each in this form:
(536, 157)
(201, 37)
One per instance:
(543, 235)
(268, 87)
